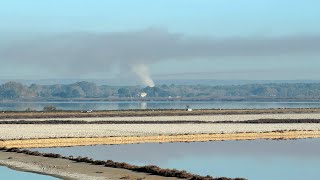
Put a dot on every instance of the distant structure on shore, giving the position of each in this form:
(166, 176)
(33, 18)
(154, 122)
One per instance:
(143, 94)
(188, 108)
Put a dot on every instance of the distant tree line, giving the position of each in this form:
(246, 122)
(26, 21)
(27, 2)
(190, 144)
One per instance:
(14, 90)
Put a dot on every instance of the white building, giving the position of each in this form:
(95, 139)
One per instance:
(143, 94)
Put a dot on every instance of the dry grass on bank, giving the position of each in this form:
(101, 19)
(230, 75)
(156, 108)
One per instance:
(61, 142)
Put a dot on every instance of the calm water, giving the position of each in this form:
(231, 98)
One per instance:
(258, 159)
(101, 105)
(6, 174)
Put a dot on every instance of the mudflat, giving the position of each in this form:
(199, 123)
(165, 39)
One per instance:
(66, 169)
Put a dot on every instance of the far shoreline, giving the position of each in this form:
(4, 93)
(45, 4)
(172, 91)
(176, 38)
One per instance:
(172, 99)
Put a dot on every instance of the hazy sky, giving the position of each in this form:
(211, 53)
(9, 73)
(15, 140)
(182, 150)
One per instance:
(208, 39)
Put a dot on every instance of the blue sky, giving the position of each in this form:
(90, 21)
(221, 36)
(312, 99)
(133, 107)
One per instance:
(194, 18)
(215, 17)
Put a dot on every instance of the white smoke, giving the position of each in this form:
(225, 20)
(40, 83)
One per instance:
(142, 71)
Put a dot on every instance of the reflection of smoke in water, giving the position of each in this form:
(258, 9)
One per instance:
(142, 71)
(143, 105)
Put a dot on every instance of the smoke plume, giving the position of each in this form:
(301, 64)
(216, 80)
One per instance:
(142, 71)
(85, 53)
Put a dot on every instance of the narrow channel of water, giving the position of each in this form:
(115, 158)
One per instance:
(7, 173)
(123, 105)
(258, 159)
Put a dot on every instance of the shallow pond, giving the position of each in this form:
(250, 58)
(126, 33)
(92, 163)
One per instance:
(258, 159)
(7, 173)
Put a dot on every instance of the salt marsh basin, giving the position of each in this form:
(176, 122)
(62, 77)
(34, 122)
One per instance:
(145, 129)
(153, 123)
(257, 159)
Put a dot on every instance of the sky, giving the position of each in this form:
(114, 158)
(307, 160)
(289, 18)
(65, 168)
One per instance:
(168, 39)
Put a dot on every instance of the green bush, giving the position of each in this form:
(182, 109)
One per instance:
(49, 108)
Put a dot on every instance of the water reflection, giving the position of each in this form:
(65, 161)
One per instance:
(143, 105)
(259, 159)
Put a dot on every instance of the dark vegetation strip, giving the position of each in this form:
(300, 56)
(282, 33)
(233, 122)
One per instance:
(155, 170)
(101, 122)
(258, 121)
(272, 121)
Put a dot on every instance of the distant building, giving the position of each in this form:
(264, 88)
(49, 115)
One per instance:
(88, 111)
(143, 94)
(188, 108)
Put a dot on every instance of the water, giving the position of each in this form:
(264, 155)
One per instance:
(6, 173)
(122, 105)
(258, 159)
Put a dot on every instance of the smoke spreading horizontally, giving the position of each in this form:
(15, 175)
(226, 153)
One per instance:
(133, 52)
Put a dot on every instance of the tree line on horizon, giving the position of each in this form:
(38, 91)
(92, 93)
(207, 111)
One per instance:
(14, 90)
